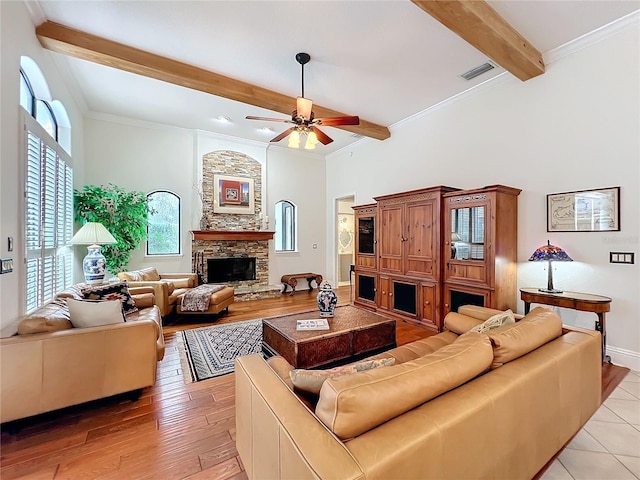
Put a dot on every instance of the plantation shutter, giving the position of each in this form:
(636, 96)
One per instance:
(48, 217)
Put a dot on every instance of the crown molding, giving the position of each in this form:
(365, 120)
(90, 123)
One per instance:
(592, 37)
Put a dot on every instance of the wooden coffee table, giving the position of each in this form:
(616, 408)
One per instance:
(352, 333)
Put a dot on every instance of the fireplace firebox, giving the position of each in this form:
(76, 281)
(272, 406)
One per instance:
(231, 269)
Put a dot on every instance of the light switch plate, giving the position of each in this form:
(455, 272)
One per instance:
(6, 265)
(622, 257)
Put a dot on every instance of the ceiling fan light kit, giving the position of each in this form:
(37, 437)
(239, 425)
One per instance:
(303, 119)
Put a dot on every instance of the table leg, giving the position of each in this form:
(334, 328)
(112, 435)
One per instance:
(601, 326)
(293, 283)
(527, 307)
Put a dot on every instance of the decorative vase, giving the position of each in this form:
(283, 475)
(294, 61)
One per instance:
(94, 265)
(327, 300)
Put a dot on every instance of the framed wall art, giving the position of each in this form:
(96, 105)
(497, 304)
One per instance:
(584, 211)
(233, 195)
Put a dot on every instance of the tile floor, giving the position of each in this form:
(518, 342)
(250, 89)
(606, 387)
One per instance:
(608, 447)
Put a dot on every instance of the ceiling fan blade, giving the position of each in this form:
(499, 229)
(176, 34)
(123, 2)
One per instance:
(282, 120)
(334, 121)
(323, 138)
(303, 107)
(282, 135)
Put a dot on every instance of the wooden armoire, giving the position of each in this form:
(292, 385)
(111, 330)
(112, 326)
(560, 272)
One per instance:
(423, 253)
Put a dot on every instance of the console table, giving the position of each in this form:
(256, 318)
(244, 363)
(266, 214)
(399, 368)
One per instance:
(584, 302)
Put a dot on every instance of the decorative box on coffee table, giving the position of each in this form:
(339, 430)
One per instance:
(352, 333)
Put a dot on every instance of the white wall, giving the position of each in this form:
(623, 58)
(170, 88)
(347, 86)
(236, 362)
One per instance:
(576, 127)
(17, 38)
(299, 178)
(144, 157)
(141, 156)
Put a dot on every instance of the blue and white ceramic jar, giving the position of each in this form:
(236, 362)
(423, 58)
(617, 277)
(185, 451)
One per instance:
(327, 300)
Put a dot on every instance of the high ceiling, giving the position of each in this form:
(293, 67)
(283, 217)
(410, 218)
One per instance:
(382, 60)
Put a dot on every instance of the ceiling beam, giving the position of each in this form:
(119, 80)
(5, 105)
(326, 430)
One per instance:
(481, 26)
(75, 43)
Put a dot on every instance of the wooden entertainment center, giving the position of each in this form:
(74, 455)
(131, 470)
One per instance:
(423, 253)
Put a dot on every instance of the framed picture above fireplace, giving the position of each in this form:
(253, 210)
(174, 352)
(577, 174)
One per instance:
(233, 195)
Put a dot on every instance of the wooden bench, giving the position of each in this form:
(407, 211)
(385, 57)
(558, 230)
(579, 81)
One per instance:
(291, 280)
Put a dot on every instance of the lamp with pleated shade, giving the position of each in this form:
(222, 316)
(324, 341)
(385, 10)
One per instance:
(93, 234)
(550, 253)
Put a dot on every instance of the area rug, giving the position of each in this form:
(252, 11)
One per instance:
(209, 352)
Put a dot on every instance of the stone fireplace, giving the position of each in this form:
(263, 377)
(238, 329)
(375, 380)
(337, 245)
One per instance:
(225, 235)
(216, 244)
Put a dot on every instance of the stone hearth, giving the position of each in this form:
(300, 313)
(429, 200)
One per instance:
(224, 244)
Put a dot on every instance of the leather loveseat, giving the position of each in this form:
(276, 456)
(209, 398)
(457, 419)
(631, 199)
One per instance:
(48, 364)
(494, 405)
(167, 287)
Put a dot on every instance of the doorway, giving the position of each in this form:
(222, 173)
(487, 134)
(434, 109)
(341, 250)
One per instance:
(345, 238)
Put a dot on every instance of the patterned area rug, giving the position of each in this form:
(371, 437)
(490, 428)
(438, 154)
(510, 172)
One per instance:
(209, 352)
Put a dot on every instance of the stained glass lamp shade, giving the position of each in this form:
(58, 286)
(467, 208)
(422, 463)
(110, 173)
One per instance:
(550, 253)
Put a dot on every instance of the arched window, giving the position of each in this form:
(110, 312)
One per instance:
(163, 227)
(45, 117)
(48, 192)
(286, 228)
(36, 99)
(27, 97)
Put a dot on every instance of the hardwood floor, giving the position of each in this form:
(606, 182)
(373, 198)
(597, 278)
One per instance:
(172, 431)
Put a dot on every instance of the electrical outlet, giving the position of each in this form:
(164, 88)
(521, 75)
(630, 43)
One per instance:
(622, 257)
(6, 265)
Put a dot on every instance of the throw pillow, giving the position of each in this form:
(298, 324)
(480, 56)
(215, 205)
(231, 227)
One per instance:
(495, 321)
(112, 291)
(149, 274)
(312, 380)
(87, 313)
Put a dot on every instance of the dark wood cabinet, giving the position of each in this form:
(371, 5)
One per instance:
(409, 253)
(480, 251)
(436, 249)
(366, 240)
(410, 232)
(430, 305)
(366, 289)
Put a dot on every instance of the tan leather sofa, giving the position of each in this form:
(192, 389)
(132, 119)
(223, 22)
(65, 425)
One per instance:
(167, 287)
(51, 365)
(473, 406)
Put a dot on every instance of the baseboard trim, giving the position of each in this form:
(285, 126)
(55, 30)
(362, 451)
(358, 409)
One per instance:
(625, 358)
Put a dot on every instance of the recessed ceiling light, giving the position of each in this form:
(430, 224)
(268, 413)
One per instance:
(223, 119)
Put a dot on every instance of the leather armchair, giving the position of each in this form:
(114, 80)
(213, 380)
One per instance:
(167, 287)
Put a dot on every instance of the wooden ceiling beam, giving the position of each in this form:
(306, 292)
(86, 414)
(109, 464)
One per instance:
(481, 26)
(75, 43)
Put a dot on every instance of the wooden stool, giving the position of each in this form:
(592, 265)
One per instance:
(291, 280)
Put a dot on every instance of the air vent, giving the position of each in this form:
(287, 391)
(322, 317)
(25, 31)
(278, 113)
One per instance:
(357, 135)
(475, 72)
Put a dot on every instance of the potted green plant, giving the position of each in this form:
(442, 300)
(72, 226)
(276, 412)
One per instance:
(123, 213)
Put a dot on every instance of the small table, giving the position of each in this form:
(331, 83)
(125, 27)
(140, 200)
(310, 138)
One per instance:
(584, 302)
(291, 280)
(352, 332)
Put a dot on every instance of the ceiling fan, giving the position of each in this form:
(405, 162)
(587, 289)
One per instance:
(304, 121)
